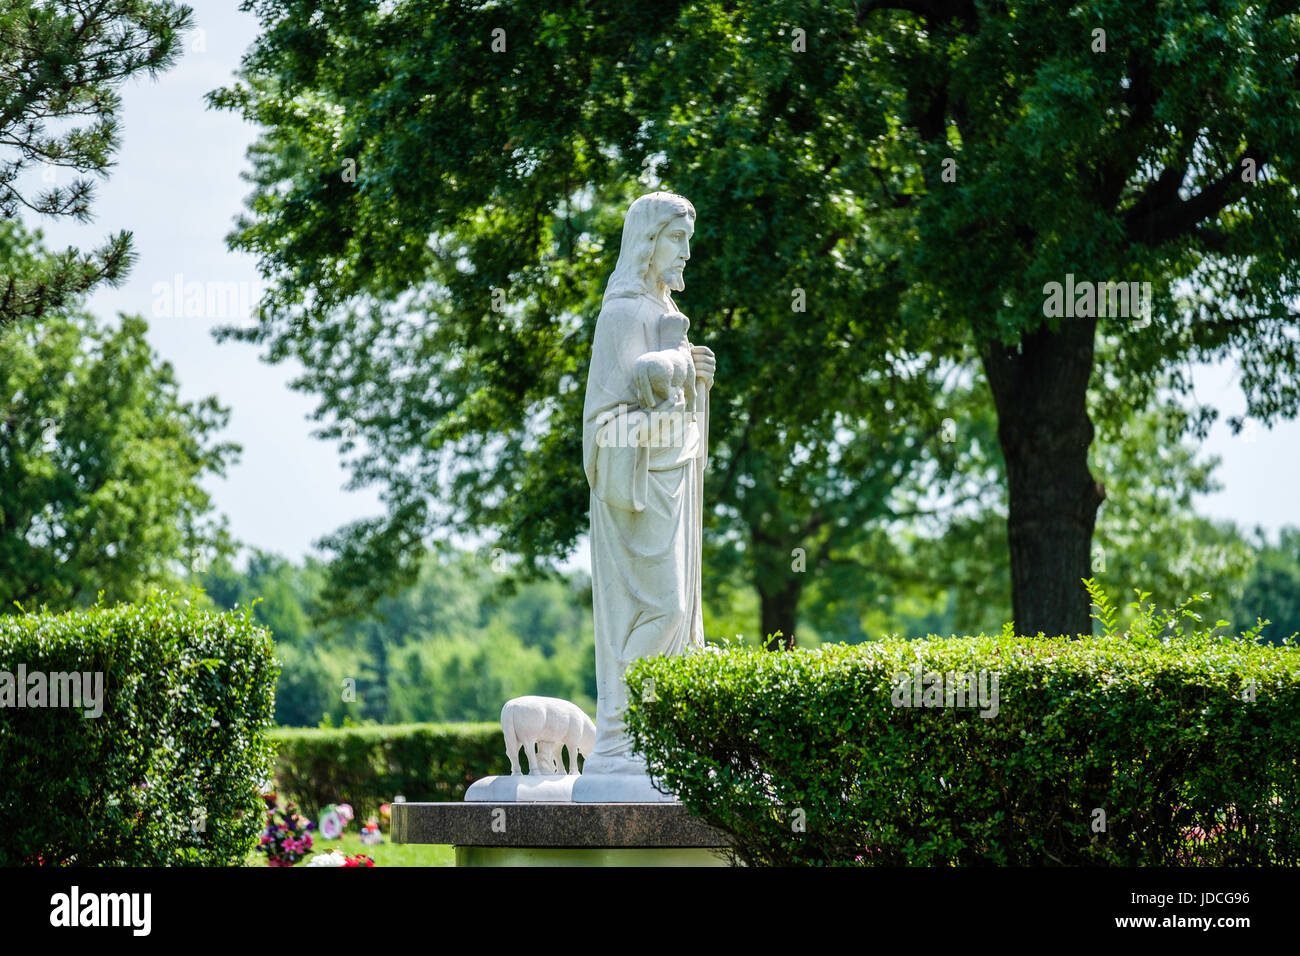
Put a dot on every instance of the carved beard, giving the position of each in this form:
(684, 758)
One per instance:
(673, 280)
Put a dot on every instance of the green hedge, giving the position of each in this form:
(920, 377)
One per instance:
(805, 758)
(170, 771)
(369, 765)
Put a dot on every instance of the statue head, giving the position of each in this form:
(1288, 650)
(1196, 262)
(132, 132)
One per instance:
(656, 244)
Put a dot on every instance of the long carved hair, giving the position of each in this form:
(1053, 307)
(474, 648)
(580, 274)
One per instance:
(646, 218)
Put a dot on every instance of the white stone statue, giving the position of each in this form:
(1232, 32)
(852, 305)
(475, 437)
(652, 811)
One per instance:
(644, 444)
(544, 726)
(646, 495)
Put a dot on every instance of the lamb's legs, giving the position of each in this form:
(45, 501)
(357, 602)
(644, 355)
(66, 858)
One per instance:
(557, 764)
(554, 758)
(530, 749)
(512, 748)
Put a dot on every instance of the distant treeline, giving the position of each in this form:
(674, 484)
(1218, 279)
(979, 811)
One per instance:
(465, 637)
(452, 647)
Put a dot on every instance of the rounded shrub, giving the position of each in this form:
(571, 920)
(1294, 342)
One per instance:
(161, 760)
(1111, 750)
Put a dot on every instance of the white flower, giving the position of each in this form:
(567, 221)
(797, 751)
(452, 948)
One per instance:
(332, 858)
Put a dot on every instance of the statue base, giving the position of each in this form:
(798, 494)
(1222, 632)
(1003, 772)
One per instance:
(567, 788)
(603, 856)
(562, 834)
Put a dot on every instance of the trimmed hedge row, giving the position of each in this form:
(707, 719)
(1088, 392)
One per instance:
(162, 766)
(369, 765)
(1103, 751)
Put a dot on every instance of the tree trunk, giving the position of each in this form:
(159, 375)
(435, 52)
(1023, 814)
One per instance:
(1040, 391)
(779, 608)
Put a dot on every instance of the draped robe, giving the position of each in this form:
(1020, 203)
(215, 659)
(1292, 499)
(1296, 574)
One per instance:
(646, 518)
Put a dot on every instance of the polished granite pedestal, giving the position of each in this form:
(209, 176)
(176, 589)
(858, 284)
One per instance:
(533, 833)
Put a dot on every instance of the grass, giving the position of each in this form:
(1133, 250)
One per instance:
(385, 854)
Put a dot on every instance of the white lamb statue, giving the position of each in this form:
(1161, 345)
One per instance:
(543, 726)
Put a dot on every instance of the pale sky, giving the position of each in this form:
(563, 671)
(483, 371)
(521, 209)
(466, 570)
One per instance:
(176, 186)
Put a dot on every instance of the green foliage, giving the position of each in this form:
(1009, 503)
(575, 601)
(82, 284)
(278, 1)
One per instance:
(170, 772)
(61, 63)
(1147, 528)
(370, 765)
(1105, 612)
(525, 199)
(804, 758)
(817, 171)
(1272, 585)
(311, 684)
(1149, 622)
(282, 598)
(103, 464)
(952, 576)
(453, 646)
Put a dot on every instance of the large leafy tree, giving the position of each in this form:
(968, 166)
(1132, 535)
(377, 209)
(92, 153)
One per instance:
(1102, 142)
(953, 576)
(919, 171)
(61, 63)
(479, 328)
(101, 465)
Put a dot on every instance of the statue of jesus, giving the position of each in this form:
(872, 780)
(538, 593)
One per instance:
(646, 493)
